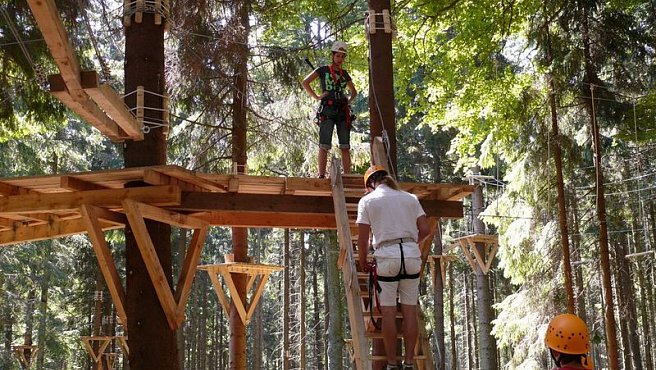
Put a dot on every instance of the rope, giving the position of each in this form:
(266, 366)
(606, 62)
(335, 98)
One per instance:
(39, 74)
(103, 65)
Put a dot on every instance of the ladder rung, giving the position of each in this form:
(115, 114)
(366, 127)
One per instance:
(379, 335)
(378, 315)
(399, 357)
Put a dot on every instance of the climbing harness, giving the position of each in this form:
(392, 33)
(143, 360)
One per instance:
(335, 99)
(403, 273)
(374, 278)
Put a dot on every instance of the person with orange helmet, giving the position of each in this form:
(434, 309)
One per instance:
(398, 224)
(568, 341)
(335, 108)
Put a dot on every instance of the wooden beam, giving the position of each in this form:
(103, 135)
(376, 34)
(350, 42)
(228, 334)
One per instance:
(26, 233)
(47, 17)
(109, 101)
(284, 203)
(74, 184)
(85, 108)
(192, 177)
(267, 220)
(189, 268)
(71, 201)
(150, 259)
(90, 216)
(7, 223)
(194, 201)
(170, 217)
(110, 216)
(6, 189)
(154, 177)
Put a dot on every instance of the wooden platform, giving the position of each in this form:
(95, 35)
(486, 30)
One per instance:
(45, 207)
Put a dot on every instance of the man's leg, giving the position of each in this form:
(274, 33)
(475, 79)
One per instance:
(346, 160)
(409, 331)
(322, 161)
(389, 332)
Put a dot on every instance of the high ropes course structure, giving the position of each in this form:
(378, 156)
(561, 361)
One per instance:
(48, 207)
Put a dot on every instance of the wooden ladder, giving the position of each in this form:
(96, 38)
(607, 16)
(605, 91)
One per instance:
(365, 347)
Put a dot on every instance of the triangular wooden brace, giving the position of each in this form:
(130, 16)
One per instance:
(444, 261)
(90, 216)
(173, 306)
(103, 343)
(490, 247)
(245, 309)
(19, 352)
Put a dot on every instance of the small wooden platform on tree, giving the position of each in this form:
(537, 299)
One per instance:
(253, 271)
(443, 260)
(25, 354)
(484, 260)
(104, 342)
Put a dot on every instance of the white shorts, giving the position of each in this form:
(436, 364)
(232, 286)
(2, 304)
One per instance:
(407, 289)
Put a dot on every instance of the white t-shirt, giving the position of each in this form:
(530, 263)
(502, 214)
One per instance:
(391, 214)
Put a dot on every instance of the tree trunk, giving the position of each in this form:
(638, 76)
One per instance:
(29, 324)
(576, 257)
(438, 301)
(624, 329)
(181, 252)
(286, 305)
(645, 317)
(469, 337)
(562, 210)
(43, 312)
(258, 340)
(239, 159)
(7, 321)
(452, 320)
(152, 341)
(487, 343)
(316, 322)
(628, 296)
(381, 82)
(302, 300)
(335, 306)
(591, 79)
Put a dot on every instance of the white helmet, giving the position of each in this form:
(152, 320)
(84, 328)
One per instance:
(339, 47)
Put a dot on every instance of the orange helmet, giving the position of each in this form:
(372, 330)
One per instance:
(568, 334)
(371, 170)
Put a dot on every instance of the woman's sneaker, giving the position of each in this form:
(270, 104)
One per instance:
(407, 366)
(391, 367)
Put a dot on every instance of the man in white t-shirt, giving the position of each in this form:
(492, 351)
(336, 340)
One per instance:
(398, 223)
